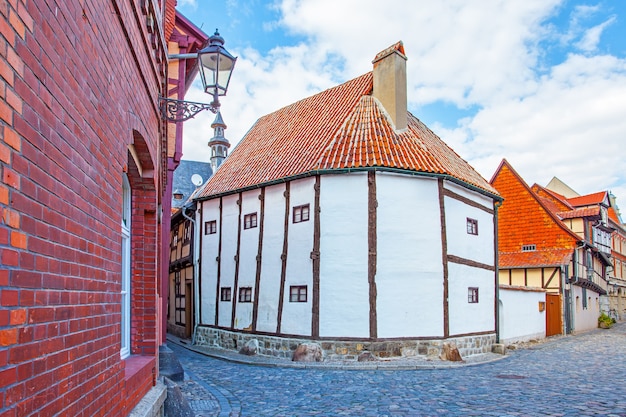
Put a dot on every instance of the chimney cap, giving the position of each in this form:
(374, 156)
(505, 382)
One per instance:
(397, 47)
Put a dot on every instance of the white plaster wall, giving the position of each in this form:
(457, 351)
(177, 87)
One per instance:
(230, 216)
(248, 250)
(478, 248)
(409, 276)
(209, 252)
(467, 193)
(585, 318)
(520, 318)
(296, 318)
(344, 289)
(273, 232)
(467, 317)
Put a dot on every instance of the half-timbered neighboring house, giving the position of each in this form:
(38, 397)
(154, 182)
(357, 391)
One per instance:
(617, 274)
(596, 216)
(343, 219)
(550, 243)
(189, 175)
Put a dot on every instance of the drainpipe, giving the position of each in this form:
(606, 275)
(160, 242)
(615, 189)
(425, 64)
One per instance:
(497, 261)
(195, 259)
(569, 319)
(579, 244)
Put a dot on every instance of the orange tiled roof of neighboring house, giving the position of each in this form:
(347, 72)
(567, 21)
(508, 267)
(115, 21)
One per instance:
(340, 128)
(555, 201)
(588, 200)
(613, 215)
(580, 212)
(540, 258)
(525, 218)
(570, 208)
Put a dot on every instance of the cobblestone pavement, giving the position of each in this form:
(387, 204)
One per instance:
(581, 375)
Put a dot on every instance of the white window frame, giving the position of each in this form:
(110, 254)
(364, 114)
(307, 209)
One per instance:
(125, 292)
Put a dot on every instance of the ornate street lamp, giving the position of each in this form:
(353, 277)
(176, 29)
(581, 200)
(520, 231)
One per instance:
(215, 65)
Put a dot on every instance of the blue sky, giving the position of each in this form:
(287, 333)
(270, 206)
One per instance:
(541, 83)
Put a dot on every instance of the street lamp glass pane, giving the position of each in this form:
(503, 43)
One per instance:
(216, 69)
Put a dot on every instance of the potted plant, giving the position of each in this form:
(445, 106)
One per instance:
(605, 322)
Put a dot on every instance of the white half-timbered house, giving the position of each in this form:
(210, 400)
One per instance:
(343, 219)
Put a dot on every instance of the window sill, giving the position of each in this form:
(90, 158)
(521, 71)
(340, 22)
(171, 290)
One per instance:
(136, 365)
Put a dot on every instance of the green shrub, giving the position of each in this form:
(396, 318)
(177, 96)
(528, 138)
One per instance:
(605, 321)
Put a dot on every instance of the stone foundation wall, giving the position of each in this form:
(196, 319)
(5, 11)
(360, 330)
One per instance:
(344, 350)
(176, 330)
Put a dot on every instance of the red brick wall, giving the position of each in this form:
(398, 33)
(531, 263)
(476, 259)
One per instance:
(79, 83)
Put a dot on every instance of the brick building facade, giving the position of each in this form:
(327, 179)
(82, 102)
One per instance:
(82, 150)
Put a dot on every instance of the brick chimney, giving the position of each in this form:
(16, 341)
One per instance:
(390, 83)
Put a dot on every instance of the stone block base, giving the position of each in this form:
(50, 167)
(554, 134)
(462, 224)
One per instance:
(336, 350)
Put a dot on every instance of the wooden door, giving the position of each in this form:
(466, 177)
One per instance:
(554, 324)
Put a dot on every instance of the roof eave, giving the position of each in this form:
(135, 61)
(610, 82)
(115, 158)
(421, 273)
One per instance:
(311, 173)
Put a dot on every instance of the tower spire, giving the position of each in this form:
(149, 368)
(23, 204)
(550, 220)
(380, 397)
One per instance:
(218, 143)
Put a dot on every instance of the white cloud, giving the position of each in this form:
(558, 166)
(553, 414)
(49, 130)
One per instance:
(571, 126)
(259, 85)
(591, 37)
(568, 122)
(459, 51)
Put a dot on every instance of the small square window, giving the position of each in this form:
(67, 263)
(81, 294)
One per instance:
(249, 221)
(298, 294)
(301, 213)
(225, 294)
(210, 227)
(187, 232)
(245, 295)
(472, 226)
(472, 295)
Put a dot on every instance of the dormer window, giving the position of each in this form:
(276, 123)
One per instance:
(529, 248)
(604, 214)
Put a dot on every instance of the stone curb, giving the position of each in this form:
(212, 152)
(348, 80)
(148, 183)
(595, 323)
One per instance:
(391, 365)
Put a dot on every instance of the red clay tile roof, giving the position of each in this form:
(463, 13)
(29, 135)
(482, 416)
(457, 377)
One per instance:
(613, 215)
(588, 200)
(580, 212)
(569, 208)
(524, 219)
(553, 200)
(550, 257)
(340, 128)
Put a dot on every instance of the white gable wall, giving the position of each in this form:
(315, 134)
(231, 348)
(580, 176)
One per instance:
(344, 288)
(210, 244)
(271, 263)
(409, 272)
(465, 317)
(585, 318)
(248, 250)
(468, 317)
(478, 248)
(296, 318)
(521, 319)
(230, 223)
(409, 255)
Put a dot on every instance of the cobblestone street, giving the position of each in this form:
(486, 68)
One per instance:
(581, 375)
